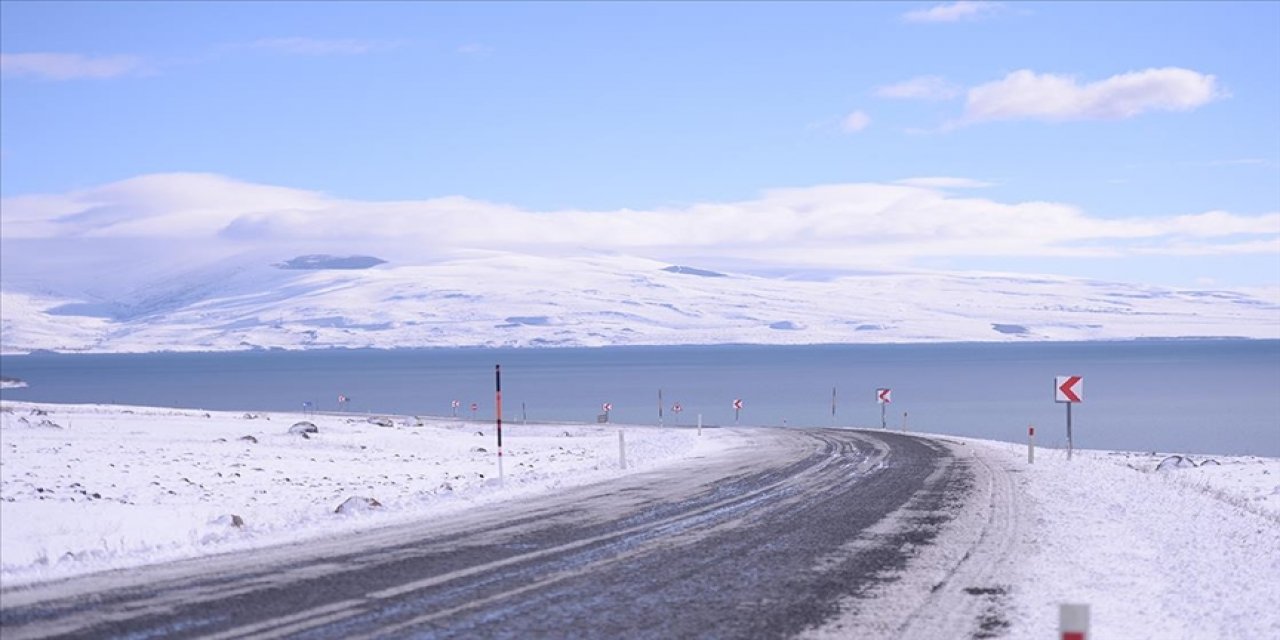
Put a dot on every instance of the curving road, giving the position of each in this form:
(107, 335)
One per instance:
(796, 532)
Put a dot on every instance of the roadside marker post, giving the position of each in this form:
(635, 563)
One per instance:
(1069, 390)
(699, 424)
(833, 406)
(904, 421)
(676, 409)
(1031, 444)
(497, 398)
(622, 450)
(455, 404)
(608, 406)
(1073, 621)
(474, 407)
(659, 407)
(737, 408)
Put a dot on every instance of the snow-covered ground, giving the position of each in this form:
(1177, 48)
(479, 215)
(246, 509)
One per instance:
(1183, 552)
(507, 299)
(87, 487)
(1190, 551)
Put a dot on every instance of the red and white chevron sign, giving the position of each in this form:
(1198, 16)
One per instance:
(1068, 389)
(677, 408)
(883, 396)
(608, 406)
(737, 404)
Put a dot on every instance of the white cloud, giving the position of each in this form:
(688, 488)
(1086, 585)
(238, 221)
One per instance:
(920, 88)
(953, 12)
(943, 182)
(831, 226)
(1026, 95)
(321, 47)
(855, 122)
(69, 66)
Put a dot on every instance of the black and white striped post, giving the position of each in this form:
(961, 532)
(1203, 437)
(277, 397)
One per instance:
(497, 399)
(833, 406)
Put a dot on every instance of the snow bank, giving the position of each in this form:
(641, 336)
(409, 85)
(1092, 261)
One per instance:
(89, 487)
(1192, 552)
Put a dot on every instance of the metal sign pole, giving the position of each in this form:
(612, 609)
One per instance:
(659, 407)
(882, 422)
(1070, 442)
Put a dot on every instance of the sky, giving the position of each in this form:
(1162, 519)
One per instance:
(1135, 142)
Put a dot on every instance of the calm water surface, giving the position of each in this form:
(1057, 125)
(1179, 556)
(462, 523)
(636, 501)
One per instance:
(1213, 396)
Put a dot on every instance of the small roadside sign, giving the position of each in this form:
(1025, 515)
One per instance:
(1068, 389)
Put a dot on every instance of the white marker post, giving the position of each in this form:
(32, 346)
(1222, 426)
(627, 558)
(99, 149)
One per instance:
(904, 421)
(1073, 621)
(1069, 390)
(1031, 444)
(622, 449)
(699, 424)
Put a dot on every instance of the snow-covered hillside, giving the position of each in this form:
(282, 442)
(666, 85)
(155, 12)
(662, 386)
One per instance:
(504, 299)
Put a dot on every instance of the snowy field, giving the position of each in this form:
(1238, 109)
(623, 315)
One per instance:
(1190, 550)
(1178, 551)
(89, 487)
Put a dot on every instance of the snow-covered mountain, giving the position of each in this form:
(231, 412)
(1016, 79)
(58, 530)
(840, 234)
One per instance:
(504, 299)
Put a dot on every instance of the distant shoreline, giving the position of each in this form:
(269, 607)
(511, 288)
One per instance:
(687, 345)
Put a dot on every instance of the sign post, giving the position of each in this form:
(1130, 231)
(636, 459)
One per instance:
(659, 407)
(608, 406)
(1069, 390)
(884, 397)
(676, 409)
(455, 404)
(737, 408)
(1031, 444)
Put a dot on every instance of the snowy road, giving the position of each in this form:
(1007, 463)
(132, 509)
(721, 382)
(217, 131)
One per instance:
(793, 533)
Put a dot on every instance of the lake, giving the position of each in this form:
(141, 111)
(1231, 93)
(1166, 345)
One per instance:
(1204, 396)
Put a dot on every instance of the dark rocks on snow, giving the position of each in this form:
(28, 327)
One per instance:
(303, 428)
(381, 421)
(230, 520)
(248, 439)
(357, 504)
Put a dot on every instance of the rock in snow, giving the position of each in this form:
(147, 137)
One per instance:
(230, 520)
(303, 427)
(357, 504)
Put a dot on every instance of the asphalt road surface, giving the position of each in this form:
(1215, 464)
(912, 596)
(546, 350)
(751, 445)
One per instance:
(797, 532)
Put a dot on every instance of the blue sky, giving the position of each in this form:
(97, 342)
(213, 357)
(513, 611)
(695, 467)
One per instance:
(1140, 119)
